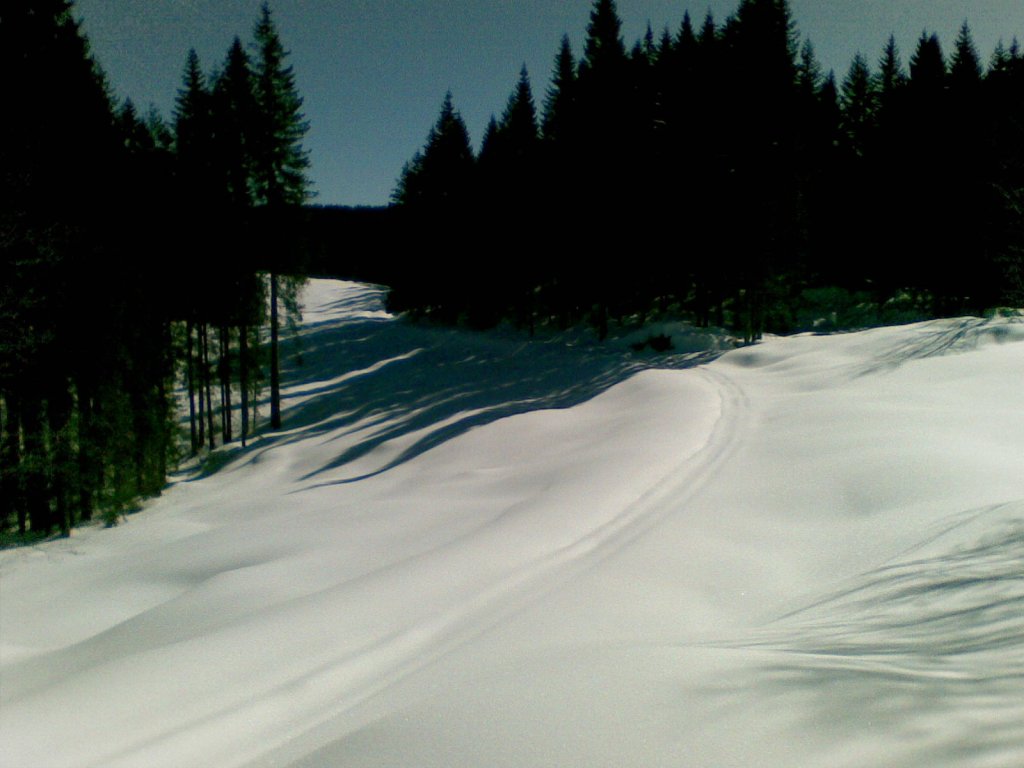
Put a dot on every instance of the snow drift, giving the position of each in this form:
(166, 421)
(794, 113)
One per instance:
(468, 550)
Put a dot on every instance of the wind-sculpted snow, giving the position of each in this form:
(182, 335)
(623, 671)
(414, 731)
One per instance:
(928, 648)
(470, 549)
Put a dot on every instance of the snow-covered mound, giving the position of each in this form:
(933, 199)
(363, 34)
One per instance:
(471, 550)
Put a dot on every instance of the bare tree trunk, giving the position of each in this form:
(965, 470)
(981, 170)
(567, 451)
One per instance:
(58, 408)
(35, 462)
(224, 369)
(243, 377)
(195, 440)
(10, 464)
(166, 435)
(275, 373)
(206, 385)
(199, 386)
(86, 451)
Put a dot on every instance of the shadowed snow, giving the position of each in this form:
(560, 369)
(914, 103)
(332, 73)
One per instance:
(469, 549)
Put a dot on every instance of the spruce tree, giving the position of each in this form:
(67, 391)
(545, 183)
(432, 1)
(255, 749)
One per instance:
(436, 191)
(559, 102)
(927, 65)
(84, 419)
(489, 144)
(858, 105)
(192, 129)
(604, 46)
(603, 157)
(441, 175)
(281, 161)
(519, 120)
(509, 151)
(890, 79)
(280, 165)
(194, 156)
(965, 65)
(763, 187)
(511, 178)
(809, 76)
(1001, 61)
(235, 120)
(235, 115)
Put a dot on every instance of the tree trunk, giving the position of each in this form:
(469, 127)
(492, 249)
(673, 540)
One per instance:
(206, 384)
(194, 438)
(10, 464)
(36, 464)
(275, 374)
(166, 435)
(224, 369)
(58, 409)
(243, 377)
(199, 386)
(86, 450)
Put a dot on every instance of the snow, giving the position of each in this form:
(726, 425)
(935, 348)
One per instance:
(468, 549)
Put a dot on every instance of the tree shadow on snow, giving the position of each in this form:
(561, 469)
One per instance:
(944, 337)
(928, 644)
(366, 379)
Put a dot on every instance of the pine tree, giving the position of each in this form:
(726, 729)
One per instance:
(280, 160)
(280, 164)
(708, 30)
(519, 121)
(192, 129)
(509, 151)
(489, 149)
(604, 48)
(54, 186)
(559, 103)
(436, 191)
(890, 79)
(965, 65)
(81, 348)
(809, 77)
(763, 185)
(235, 119)
(927, 65)
(1001, 61)
(195, 157)
(440, 175)
(508, 177)
(858, 105)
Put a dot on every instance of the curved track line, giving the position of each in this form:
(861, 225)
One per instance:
(421, 645)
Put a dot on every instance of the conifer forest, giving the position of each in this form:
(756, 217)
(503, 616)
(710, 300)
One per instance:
(151, 263)
(134, 268)
(718, 169)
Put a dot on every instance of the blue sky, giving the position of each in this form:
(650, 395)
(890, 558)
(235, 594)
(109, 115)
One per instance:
(373, 73)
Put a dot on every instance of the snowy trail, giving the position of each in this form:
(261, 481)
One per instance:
(468, 583)
(419, 646)
(534, 581)
(684, 646)
(464, 550)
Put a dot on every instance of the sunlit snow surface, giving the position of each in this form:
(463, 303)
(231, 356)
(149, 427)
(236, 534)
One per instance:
(469, 550)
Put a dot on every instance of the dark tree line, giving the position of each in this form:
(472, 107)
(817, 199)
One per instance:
(724, 173)
(129, 263)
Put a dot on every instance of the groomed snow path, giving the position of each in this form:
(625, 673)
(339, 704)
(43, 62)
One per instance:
(465, 550)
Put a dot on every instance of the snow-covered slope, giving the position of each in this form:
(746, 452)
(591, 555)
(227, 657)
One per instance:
(467, 550)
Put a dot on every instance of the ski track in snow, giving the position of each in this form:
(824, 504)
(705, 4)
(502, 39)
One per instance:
(420, 645)
(444, 542)
(337, 683)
